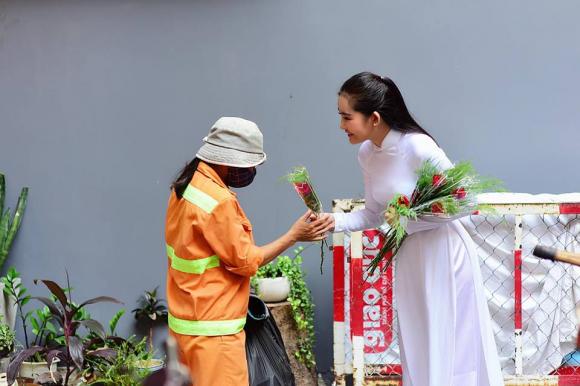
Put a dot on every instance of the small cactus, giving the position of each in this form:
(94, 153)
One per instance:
(9, 224)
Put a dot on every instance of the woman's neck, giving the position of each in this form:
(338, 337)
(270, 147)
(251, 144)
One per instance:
(378, 135)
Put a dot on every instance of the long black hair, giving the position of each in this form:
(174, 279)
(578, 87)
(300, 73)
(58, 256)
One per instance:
(369, 92)
(184, 177)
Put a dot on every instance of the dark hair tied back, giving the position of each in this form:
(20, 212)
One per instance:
(184, 177)
(370, 92)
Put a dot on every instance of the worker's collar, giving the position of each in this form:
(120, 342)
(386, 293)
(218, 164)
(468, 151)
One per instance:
(210, 173)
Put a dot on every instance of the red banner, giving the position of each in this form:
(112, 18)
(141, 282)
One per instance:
(377, 297)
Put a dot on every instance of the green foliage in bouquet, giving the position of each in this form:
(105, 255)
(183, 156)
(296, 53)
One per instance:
(443, 194)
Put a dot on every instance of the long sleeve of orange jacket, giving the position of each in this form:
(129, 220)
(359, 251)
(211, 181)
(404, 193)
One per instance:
(228, 233)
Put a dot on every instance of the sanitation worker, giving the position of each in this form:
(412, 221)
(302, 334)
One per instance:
(212, 255)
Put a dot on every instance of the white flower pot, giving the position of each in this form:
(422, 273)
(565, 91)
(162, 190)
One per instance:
(31, 369)
(151, 365)
(273, 289)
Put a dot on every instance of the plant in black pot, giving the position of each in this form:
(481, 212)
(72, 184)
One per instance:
(150, 313)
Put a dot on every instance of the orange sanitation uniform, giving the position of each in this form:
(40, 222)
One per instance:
(211, 257)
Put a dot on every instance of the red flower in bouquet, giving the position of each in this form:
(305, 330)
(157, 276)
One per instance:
(437, 208)
(459, 193)
(447, 193)
(303, 189)
(438, 180)
(403, 201)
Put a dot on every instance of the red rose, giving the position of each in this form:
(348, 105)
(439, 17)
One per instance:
(403, 201)
(459, 193)
(303, 189)
(436, 208)
(438, 179)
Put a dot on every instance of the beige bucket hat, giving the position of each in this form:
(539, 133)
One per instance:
(235, 142)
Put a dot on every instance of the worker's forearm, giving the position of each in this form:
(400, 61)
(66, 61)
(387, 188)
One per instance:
(276, 247)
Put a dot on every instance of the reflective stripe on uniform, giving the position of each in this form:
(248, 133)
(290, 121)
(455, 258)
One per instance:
(201, 199)
(197, 266)
(205, 327)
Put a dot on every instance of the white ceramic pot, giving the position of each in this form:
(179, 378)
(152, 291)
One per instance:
(31, 369)
(274, 289)
(150, 365)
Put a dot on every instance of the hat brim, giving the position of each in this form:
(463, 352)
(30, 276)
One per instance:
(229, 157)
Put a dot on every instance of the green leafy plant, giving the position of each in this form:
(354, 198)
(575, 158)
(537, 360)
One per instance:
(300, 300)
(115, 320)
(150, 307)
(14, 288)
(150, 311)
(9, 225)
(7, 338)
(120, 369)
(69, 317)
(43, 328)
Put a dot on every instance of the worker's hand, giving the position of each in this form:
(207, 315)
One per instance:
(324, 216)
(308, 228)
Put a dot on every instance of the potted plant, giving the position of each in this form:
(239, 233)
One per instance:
(67, 345)
(7, 338)
(150, 313)
(126, 363)
(9, 226)
(13, 287)
(271, 285)
(122, 368)
(300, 300)
(40, 320)
(117, 365)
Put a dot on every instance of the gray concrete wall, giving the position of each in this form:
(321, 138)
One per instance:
(101, 102)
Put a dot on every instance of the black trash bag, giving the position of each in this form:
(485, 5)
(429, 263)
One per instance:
(268, 364)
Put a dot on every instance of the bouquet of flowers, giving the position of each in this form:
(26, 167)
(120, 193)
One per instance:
(300, 179)
(440, 194)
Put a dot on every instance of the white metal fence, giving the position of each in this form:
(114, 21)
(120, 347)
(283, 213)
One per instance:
(532, 302)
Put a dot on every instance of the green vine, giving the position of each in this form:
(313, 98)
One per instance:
(300, 300)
